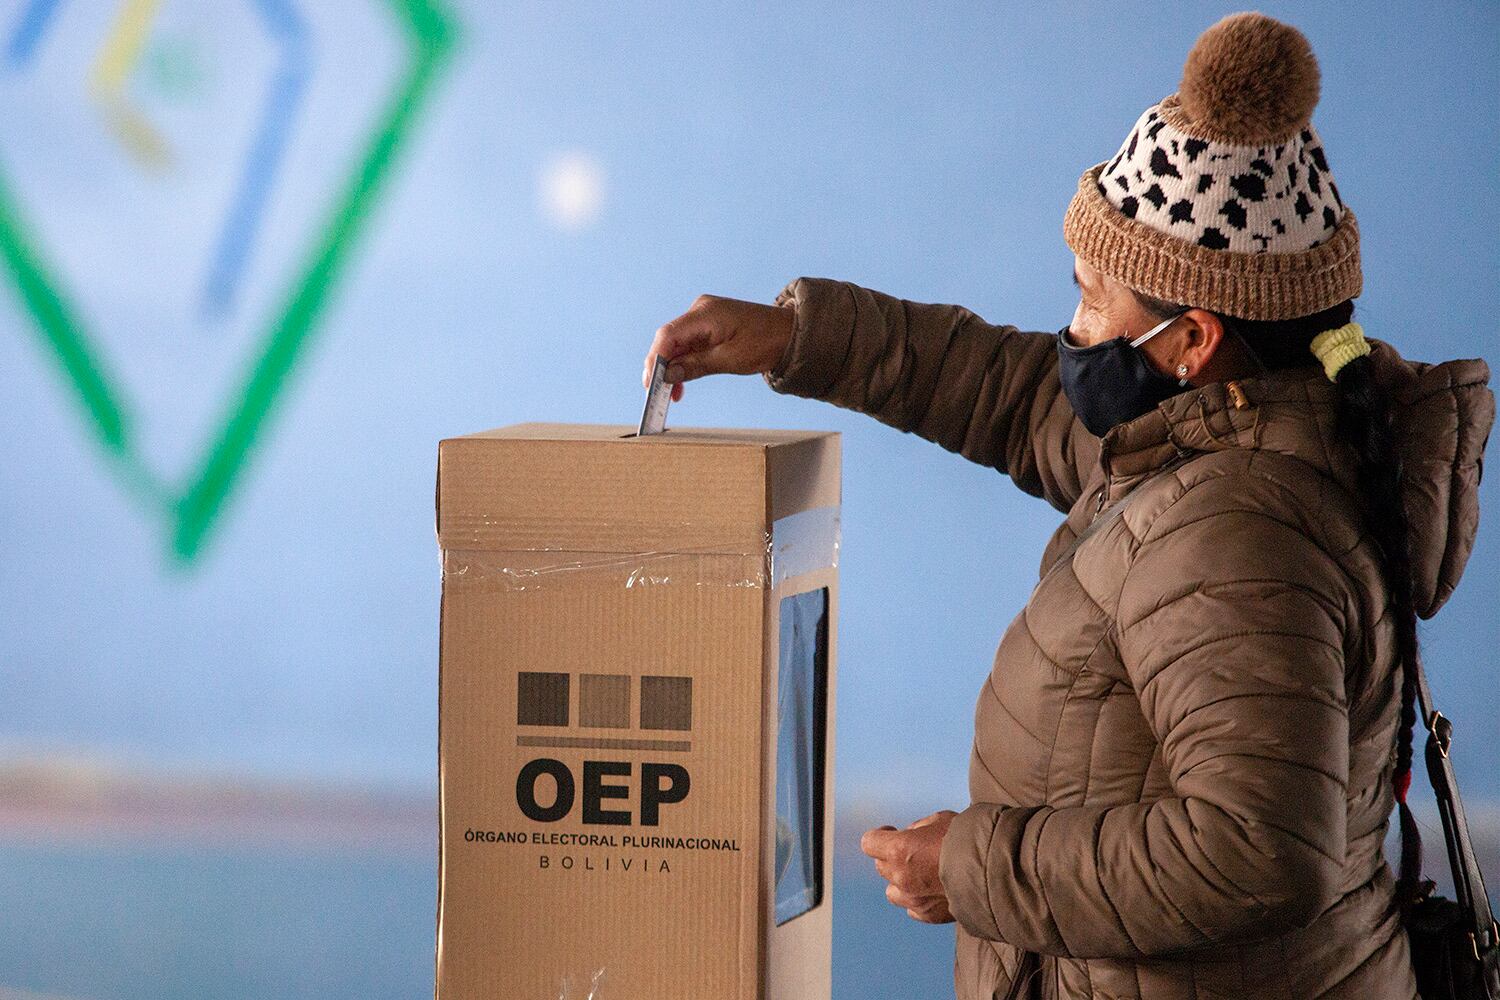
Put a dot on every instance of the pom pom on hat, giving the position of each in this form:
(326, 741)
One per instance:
(1250, 78)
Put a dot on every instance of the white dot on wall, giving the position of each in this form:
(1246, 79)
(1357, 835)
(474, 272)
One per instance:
(571, 190)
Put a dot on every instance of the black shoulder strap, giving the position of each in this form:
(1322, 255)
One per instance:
(1468, 881)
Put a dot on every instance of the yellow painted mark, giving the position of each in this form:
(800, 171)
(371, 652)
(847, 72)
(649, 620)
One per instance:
(117, 58)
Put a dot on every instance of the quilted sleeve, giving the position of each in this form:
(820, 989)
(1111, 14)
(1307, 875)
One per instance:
(989, 393)
(1231, 626)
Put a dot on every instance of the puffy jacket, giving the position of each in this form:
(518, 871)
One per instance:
(1182, 759)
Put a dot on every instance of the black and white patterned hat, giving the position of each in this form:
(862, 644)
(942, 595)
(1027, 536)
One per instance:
(1270, 197)
(1221, 195)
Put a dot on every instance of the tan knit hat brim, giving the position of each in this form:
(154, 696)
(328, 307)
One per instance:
(1258, 286)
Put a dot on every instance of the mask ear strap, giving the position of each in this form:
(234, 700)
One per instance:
(1137, 342)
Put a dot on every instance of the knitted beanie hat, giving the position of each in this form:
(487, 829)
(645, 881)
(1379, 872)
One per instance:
(1221, 196)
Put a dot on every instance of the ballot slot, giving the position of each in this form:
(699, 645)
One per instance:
(802, 710)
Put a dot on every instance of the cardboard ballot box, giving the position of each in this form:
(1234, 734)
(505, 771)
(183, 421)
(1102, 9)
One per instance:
(636, 713)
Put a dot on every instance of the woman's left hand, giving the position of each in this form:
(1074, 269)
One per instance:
(908, 860)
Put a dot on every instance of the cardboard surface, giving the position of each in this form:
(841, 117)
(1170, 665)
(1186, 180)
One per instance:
(609, 717)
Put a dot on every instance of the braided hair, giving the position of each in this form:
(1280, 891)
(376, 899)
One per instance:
(1364, 418)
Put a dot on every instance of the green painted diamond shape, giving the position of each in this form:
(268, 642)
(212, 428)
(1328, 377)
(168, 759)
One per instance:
(192, 511)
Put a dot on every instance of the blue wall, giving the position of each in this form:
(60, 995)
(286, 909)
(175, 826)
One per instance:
(729, 149)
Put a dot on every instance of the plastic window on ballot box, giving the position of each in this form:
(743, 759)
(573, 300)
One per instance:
(802, 691)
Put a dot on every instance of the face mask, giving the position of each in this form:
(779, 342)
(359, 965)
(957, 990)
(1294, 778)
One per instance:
(1112, 382)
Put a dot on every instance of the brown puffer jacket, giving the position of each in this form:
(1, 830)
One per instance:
(1182, 759)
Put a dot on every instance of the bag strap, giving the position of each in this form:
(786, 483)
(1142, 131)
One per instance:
(1468, 881)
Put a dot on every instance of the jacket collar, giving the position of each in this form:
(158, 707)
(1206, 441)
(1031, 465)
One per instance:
(1289, 410)
(1443, 416)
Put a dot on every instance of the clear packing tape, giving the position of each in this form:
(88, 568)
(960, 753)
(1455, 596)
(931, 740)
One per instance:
(578, 990)
(797, 543)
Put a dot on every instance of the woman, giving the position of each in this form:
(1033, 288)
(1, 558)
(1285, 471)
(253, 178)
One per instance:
(1192, 738)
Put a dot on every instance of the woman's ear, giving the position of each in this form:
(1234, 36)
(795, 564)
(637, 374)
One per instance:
(1202, 334)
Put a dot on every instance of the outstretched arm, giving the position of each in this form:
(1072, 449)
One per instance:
(989, 393)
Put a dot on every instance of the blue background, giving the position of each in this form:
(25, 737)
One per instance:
(922, 152)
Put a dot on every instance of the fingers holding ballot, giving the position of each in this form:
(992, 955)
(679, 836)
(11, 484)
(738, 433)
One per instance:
(720, 335)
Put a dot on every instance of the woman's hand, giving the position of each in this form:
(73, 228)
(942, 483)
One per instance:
(908, 860)
(720, 336)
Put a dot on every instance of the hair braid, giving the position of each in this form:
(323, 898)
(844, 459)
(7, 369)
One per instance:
(1365, 419)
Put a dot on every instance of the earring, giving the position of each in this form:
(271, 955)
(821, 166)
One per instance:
(1182, 371)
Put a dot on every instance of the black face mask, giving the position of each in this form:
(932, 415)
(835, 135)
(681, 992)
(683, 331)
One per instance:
(1112, 382)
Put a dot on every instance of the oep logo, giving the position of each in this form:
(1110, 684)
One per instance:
(544, 705)
(660, 784)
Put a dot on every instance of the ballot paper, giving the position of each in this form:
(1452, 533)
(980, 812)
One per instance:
(654, 416)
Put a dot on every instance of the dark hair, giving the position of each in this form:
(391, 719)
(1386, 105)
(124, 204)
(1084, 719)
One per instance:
(1365, 420)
